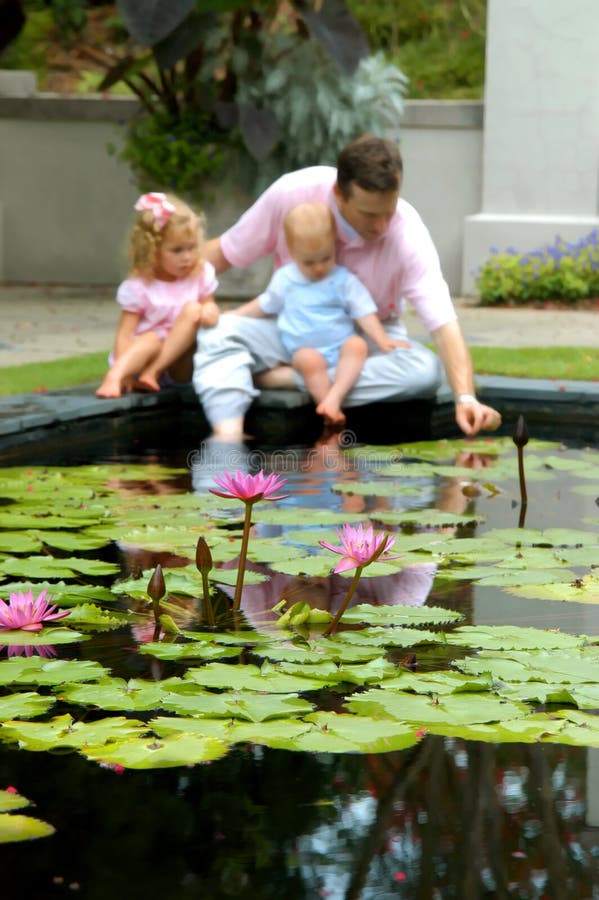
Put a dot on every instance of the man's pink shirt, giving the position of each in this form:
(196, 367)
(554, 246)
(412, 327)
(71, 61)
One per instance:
(402, 263)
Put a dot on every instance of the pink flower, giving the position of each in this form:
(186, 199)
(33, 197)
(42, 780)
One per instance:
(44, 650)
(156, 203)
(249, 488)
(23, 612)
(359, 546)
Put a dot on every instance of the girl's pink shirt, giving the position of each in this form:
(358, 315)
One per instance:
(159, 302)
(403, 264)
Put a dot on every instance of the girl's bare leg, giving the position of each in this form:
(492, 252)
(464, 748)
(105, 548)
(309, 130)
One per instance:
(352, 355)
(134, 359)
(180, 339)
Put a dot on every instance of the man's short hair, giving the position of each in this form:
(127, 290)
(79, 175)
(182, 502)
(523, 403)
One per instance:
(372, 163)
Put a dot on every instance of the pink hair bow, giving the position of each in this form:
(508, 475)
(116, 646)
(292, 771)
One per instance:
(158, 205)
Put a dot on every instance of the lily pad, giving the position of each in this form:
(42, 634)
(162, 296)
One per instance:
(159, 753)
(22, 828)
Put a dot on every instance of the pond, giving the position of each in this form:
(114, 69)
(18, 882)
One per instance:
(442, 743)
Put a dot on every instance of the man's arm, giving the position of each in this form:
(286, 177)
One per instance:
(212, 252)
(470, 415)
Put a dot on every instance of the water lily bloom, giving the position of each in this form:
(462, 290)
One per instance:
(359, 546)
(249, 488)
(28, 614)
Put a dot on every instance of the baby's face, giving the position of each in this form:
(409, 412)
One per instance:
(314, 256)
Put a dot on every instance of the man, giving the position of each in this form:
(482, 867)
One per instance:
(383, 241)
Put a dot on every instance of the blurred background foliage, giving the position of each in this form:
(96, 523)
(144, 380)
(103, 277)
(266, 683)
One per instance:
(248, 88)
(438, 44)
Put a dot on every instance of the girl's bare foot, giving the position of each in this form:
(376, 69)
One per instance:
(147, 382)
(110, 387)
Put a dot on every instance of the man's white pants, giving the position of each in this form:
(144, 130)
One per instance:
(229, 354)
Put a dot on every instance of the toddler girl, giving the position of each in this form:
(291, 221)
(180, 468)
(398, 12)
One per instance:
(167, 297)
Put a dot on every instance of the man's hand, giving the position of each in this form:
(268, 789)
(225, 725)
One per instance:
(473, 417)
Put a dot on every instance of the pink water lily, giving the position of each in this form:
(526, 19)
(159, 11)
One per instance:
(249, 488)
(28, 614)
(359, 546)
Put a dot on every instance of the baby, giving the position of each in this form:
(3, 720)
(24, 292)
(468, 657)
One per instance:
(318, 305)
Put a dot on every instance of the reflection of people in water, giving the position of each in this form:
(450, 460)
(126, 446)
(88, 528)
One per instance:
(316, 471)
(407, 587)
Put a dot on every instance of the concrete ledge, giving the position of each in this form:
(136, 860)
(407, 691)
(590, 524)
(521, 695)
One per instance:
(46, 107)
(115, 108)
(280, 418)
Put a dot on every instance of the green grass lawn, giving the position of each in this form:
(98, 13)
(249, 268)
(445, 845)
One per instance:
(574, 363)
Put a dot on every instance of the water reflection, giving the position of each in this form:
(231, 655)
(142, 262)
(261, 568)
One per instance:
(445, 819)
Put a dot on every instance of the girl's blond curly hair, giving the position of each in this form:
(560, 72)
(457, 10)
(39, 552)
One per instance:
(147, 235)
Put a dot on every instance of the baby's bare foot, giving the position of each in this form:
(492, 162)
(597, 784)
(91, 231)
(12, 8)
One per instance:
(332, 414)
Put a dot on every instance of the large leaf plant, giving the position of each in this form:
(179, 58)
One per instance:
(254, 88)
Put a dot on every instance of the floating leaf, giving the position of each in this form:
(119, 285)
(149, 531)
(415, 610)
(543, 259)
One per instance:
(189, 650)
(22, 828)
(118, 694)
(36, 670)
(64, 731)
(448, 708)
(256, 707)
(250, 678)
(48, 635)
(513, 637)
(25, 706)
(400, 615)
(159, 753)
(47, 567)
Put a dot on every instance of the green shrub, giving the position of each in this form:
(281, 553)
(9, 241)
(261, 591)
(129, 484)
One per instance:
(562, 271)
(439, 44)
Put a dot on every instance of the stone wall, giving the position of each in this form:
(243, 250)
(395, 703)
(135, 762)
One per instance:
(65, 203)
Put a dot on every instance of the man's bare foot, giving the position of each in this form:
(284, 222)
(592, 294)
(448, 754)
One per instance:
(110, 387)
(279, 377)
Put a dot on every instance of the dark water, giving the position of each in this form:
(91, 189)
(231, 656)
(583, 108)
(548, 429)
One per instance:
(445, 819)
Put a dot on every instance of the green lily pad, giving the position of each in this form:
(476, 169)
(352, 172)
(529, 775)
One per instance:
(19, 542)
(255, 707)
(48, 635)
(448, 708)
(36, 670)
(117, 694)
(251, 678)
(189, 650)
(513, 637)
(22, 828)
(64, 731)
(400, 615)
(160, 753)
(10, 800)
(25, 706)
(47, 567)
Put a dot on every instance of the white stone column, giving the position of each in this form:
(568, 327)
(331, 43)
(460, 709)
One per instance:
(541, 130)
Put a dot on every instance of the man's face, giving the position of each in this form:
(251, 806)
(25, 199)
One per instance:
(368, 212)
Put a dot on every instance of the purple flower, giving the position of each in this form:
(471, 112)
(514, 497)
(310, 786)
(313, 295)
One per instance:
(359, 546)
(249, 488)
(25, 613)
